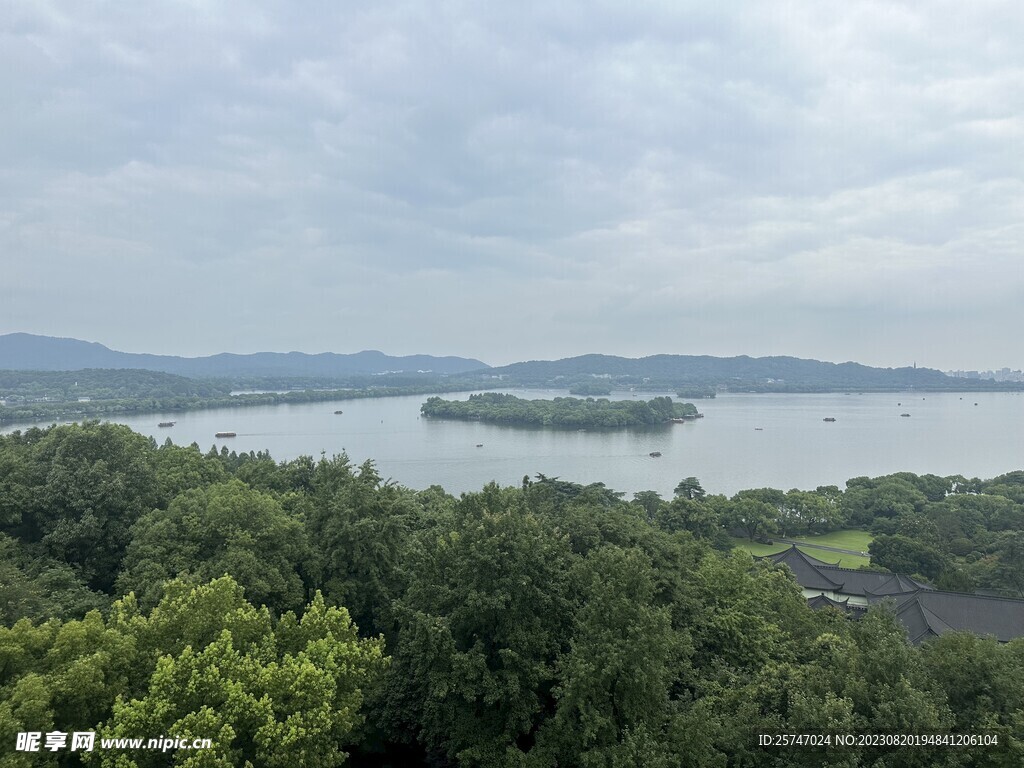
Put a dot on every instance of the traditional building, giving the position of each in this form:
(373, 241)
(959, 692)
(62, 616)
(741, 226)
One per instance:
(925, 612)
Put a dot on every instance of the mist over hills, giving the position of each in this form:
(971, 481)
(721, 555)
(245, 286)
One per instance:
(23, 351)
(28, 352)
(774, 373)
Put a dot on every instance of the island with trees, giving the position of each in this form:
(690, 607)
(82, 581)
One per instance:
(568, 412)
(697, 393)
(590, 389)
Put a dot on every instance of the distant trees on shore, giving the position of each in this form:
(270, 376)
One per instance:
(572, 412)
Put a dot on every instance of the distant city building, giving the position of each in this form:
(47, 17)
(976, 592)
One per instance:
(1003, 374)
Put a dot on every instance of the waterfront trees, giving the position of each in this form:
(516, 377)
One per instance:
(566, 412)
(547, 623)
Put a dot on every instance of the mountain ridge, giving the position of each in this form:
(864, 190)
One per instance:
(25, 351)
(778, 373)
(677, 370)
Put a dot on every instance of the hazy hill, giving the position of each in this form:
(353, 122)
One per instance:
(777, 373)
(23, 351)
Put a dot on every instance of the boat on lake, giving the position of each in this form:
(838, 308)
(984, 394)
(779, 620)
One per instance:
(167, 423)
(654, 454)
(225, 434)
(905, 415)
(338, 413)
(829, 418)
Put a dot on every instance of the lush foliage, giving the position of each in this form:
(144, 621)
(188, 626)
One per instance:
(560, 412)
(307, 613)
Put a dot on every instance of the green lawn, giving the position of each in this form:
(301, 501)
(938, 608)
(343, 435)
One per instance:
(852, 539)
(857, 540)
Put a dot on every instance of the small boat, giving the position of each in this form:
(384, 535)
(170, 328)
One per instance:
(654, 454)
(225, 434)
(905, 415)
(338, 413)
(479, 445)
(759, 429)
(166, 423)
(829, 418)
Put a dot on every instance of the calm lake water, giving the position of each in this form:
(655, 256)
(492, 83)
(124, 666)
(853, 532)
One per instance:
(744, 441)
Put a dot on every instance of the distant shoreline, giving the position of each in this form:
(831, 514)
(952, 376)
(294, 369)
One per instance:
(101, 409)
(76, 411)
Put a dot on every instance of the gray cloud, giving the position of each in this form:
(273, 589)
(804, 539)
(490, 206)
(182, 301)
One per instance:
(837, 180)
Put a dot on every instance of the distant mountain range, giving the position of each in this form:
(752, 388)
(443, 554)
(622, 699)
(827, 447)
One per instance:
(759, 373)
(24, 351)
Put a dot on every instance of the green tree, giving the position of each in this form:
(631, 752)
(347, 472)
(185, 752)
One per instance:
(750, 514)
(649, 501)
(480, 627)
(1008, 570)
(82, 486)
(904, 555)
(699, 518)
(617, 675)
(289, 695)
(38, 587)
(207, 532)
(984, 686)
(359, 528)
(689, 488)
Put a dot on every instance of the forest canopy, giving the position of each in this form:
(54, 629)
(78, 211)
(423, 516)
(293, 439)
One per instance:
(310, 613)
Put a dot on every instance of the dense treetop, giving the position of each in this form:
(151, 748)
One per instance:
(310, 613)
(560, 412)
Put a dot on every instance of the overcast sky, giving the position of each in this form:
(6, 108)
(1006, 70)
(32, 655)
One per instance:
(507, 181)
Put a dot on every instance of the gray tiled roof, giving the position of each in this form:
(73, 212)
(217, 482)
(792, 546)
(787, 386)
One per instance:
(821, 601)
(864, 582)
(806, 569)
(812, 573)
(929, 613)
(923, 610)
(793, 548)
(898, 584)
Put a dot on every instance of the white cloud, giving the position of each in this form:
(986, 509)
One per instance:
(575, 177)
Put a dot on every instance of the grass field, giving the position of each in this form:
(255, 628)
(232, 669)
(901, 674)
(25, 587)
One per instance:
(855, 540)
(852, 539)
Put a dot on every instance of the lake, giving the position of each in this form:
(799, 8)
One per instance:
(744, 441)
